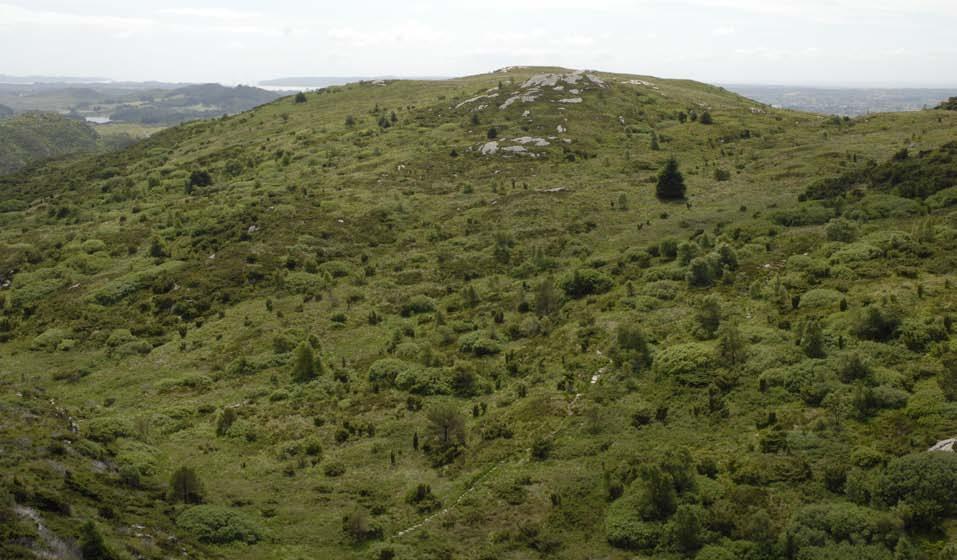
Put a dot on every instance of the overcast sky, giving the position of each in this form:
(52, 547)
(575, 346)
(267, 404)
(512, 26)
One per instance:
(810, 42)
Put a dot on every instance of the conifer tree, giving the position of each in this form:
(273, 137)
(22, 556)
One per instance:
(671, 184)
(304, 367)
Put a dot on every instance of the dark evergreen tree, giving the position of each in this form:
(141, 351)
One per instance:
(671, 184)
(304, 366)
(185, 486)
(92, 545)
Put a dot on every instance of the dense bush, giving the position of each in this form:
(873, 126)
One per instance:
(823, 524)
(584, 282)
(877, 322)
(922, 485)
(689, 364)
(218, 525)
(386, 370)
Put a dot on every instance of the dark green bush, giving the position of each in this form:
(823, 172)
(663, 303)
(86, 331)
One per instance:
(218, 525)
(922, 486)
(584, 282)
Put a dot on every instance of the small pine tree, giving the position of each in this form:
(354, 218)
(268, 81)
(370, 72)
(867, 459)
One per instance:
(708, 317)
(350, 121)
(706, 118)
(304, 366)
(492, 133)
(654, 142)
(546, 298)
(415, 441)
(671, 184)
(92, 545)
(732, 347)
(812, 339)
(300, 97)
(185, 486)
(623, 201)
(948, 377)
(475, 119)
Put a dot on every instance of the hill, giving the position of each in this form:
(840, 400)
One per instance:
(192, 103)
(451, 319)
(5, 111)
(144, 103)
(852, 102)
(32, 137)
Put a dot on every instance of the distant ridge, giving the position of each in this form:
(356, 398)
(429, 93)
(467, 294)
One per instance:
(326, 81)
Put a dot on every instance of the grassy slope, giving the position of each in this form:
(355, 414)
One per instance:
(394, 201)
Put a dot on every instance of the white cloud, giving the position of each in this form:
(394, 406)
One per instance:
(11, 15)
(723, 31)
(212, 13)
(408, 32)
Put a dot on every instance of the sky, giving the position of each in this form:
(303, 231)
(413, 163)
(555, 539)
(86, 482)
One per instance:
(894, 43)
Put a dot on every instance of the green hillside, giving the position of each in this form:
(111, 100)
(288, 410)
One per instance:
(32, 137)
(452, 319)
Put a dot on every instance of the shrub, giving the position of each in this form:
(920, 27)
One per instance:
(656, 499)
(358, 527)
(423, 499)
(821, 298)
(218, 525)
(200, 178)
(300, 98)
(541, 448)
(423, 381)
(805, 214)
(686, 528)
(586, 281)
(877, 322)
(624, 527)
(50, 339)
(689, 364)
(943, 199)
(668, 248)
(714, 552)
(841, 230)
(922, 485)
(478, 344)
(700, 273)
(225, 420)
(334, 469)
(832, 523)
(631, 348)
(918, 333)
(418, 304)
(386, 370)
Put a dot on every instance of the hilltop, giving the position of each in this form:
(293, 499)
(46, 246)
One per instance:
(451, 319)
